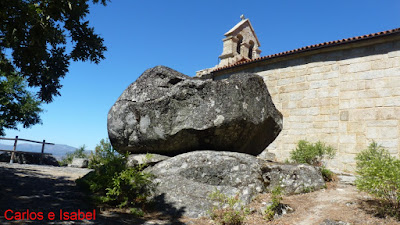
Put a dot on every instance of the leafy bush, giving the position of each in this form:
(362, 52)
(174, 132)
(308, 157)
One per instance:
(115, 184)
(379, 175)
(129, 187)
(78, 153)
(104, 154)
(312, 153)
(271, 210)
(224, 212)
(102, 177)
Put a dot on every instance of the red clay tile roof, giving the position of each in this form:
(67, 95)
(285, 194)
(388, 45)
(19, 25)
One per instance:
(311, 47)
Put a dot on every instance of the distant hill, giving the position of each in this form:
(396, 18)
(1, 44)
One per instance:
(58, 151)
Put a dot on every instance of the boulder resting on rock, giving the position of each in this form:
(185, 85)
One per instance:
(166, 112)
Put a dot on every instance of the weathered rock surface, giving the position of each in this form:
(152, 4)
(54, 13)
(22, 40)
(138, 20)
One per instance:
(185, 181)
(29, 158)
(166, 112)
(138, 159)
(79, 163)
(267, 156)
(293, 178)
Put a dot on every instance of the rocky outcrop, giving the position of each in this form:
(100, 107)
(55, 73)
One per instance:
(166, 112)
(293, 178)
(186, 181)
(269, 156)
(29, 158)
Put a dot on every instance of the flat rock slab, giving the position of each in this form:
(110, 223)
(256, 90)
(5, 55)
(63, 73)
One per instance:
(168, 113)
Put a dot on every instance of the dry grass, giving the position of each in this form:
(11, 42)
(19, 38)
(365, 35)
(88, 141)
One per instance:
(337, 202)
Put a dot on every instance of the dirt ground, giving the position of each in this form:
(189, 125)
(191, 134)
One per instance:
(48, 189)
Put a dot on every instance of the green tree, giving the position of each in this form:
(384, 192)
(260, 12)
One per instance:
(33, 46)
(103, 154)
(17, 105)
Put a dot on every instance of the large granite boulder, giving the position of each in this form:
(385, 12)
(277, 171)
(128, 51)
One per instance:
(186, 181)
(166, 112)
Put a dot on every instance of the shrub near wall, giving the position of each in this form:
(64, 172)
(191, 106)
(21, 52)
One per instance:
(314, 154)
(379, 175)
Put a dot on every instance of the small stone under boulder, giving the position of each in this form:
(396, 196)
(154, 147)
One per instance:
(79, 163)
(186, 181)
(166, 112)
(148, 159)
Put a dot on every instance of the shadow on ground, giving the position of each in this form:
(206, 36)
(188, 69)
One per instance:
(29, 189)
(379, 209)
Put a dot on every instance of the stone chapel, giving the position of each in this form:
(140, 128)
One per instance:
(345, 93)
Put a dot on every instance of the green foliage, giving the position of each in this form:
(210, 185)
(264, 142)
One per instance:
(307, 189)
(107, 163)
(101, 178)
(137, 212)
(312, 153)
(115, 184)
(271, 210)
(103, 153)
(129, 188)
(34, 36)
(327, 174)
(17, 105)
(78, 153)
(379, 175)
(225, 212)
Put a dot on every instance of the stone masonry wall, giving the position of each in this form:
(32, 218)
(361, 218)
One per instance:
(346, 98)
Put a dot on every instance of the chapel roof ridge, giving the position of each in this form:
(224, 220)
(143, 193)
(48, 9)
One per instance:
(312, 47)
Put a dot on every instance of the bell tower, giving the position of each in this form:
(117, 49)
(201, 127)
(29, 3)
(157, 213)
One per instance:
(240, 43)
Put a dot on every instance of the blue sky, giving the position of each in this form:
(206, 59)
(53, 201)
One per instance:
(187, 36)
